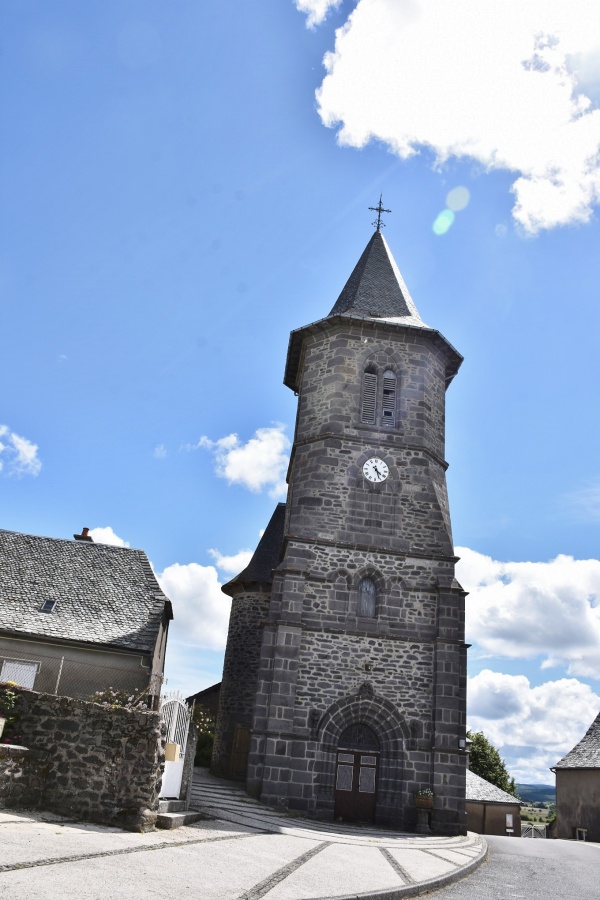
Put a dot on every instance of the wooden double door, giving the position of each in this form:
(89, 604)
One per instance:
(356, 775)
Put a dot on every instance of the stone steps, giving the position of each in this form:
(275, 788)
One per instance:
(169, 820)
(169, 806)
(175, 813)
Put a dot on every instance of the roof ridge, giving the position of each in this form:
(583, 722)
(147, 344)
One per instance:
(62, 540)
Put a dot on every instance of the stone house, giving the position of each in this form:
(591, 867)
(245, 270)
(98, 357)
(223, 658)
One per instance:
(344, 682)
(578, 789)
(490, 810)
(78, 617)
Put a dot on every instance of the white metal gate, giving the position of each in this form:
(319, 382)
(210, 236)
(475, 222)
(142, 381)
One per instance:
(533, 831)
(176, 715)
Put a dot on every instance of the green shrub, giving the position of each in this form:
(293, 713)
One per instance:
(205, 724)
(9, 711)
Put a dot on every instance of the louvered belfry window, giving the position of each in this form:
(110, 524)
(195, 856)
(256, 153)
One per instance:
(389, 398)
(369, 398)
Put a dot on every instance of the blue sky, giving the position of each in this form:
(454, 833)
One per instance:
(175, 199)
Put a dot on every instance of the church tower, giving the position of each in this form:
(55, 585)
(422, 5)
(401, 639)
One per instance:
(344, 686)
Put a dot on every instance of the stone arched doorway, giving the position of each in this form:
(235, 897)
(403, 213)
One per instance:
(357, 774)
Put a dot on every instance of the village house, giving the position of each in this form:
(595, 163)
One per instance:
(578, 789)
(77, 617)
(490, 810)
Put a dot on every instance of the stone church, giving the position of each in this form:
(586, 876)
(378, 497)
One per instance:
(344, 683)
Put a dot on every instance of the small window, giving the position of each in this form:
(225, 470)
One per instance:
(367, 598)
(369, 398)
(20, 672)
(388, 411)
(48, 606)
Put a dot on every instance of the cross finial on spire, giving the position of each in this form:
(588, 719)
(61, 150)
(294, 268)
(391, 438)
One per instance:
(379, 209)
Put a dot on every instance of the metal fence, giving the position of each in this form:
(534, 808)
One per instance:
(532, 831)
(71, 677)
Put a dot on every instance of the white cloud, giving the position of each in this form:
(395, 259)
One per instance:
(159, 452)
(201, 611)
(533, 727)
(106, 535)
(516, 90)
(316, 10)
(258, 464)
(234, 564)
(18, 455)
(534, 609)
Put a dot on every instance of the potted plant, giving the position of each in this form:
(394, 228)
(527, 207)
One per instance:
(423, 798)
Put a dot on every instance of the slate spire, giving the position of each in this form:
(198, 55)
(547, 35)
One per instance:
(376, 288)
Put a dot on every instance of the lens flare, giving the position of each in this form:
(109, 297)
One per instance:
(458, 198)
(443, 222)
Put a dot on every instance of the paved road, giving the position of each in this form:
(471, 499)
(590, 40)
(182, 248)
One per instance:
(526, 869)
(242, 850)
(239, 850)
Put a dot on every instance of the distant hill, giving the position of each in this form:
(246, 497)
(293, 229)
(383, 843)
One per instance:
(537, 793)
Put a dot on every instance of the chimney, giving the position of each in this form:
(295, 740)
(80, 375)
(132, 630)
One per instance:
(84, 536)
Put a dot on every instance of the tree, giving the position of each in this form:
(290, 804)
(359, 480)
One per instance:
(485, 761)
(205, 727)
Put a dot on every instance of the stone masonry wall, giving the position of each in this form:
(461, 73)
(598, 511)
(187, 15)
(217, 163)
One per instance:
(240, 673)
(329, 497)
(100, 764)
(330, 391)
(22, 776)
(340, 528)
(331, 666)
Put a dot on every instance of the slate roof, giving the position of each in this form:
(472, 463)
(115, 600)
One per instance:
(480, 790)
(259, 571)
(374, 293)
(208, 698)
(585, 754)
(376, 288)
(105, 595)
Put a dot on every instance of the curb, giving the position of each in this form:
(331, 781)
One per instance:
(423, 887)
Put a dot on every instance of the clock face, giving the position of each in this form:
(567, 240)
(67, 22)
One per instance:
(375, 470)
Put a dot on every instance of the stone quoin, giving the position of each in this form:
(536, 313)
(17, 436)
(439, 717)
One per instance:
(344, 683)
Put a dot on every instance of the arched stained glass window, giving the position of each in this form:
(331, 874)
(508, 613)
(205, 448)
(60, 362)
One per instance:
(367, 598)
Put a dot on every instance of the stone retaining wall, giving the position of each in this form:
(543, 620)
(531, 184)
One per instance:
(89, 762)
(22, 776)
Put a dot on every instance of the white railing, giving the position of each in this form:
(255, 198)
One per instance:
(533, 831)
